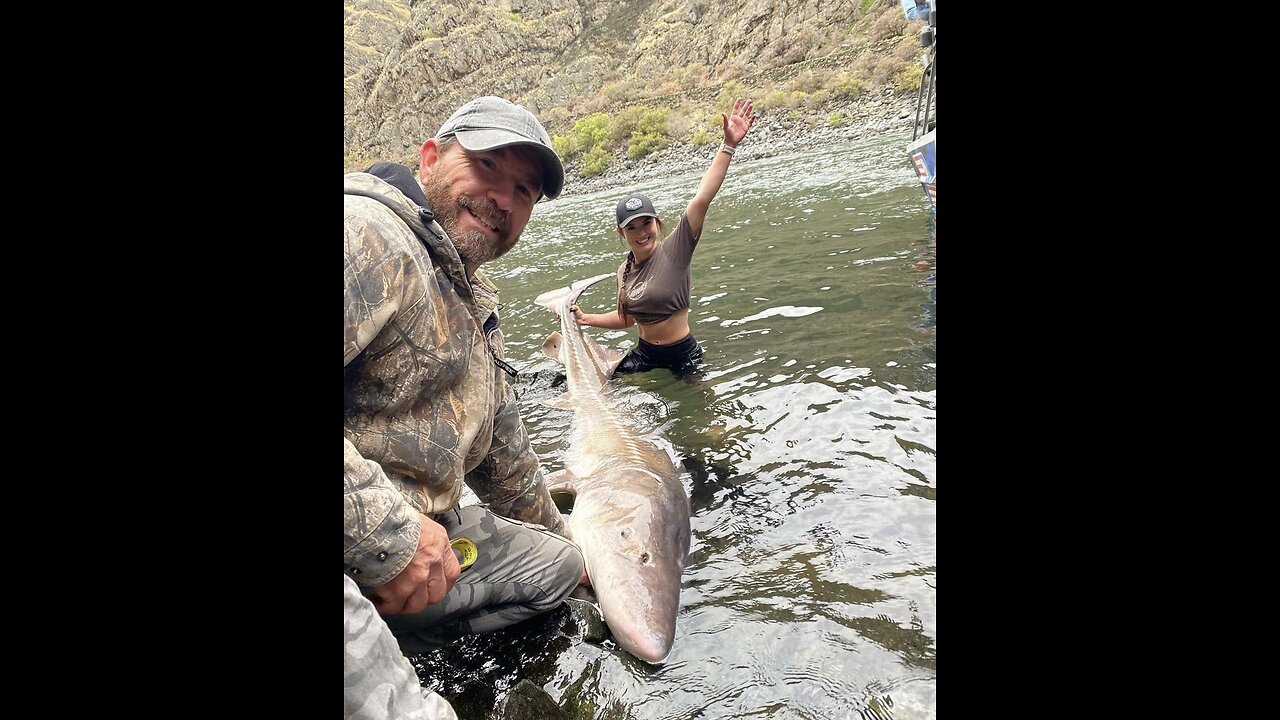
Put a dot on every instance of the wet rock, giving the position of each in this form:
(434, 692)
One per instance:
(587, 620)
(527, 701)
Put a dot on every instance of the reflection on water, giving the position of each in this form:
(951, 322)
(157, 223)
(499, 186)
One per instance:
(809, 441)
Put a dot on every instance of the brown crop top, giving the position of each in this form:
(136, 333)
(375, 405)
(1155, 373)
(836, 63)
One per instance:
(659, 286)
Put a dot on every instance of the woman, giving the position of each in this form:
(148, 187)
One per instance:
(654, 281)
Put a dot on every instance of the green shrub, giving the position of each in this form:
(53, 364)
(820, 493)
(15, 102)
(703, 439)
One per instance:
(886, 71)
(563, 145)
(649, 133)
(700, 137)
(846, 86)
(910, 78)
(835, 119)
(653, 120)
(595, 162)
(591, 131)
(818, 99)
(645, 143)
(626, 122)
(729, 92)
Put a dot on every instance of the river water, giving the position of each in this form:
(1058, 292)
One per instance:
(809, 443)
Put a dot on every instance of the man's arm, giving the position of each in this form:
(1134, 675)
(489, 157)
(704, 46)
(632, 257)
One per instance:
(387, 543)
(390, 546)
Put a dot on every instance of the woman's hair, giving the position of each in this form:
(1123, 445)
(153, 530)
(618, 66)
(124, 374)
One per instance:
(631, 259)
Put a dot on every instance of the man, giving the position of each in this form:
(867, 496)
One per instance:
(428, 404)
(379, 681)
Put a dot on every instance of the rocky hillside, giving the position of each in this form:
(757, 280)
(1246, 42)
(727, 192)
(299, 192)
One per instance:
(408, 65)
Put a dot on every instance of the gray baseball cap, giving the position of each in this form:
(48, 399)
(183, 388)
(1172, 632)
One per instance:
(633, 206)
(487, 123)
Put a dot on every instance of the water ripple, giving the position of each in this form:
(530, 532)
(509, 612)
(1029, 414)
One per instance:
(809, 442)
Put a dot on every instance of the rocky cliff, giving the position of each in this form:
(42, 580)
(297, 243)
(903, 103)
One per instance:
(408, 65)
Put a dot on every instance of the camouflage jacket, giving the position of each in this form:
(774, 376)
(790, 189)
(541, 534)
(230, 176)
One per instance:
(427, 406)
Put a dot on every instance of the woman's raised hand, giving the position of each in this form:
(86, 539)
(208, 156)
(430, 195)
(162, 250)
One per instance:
(738, 122)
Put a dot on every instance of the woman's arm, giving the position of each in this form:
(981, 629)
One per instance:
(609, 320)
(736, 125)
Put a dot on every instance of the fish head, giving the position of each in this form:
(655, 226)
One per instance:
(635, 554)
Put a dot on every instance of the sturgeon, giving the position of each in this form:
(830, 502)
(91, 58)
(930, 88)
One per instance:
(630, 511)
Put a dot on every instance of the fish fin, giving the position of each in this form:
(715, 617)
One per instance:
(551, 347)
(611, 356)
(605, 358)
(561, 481)
(559, 402)
(612, 359)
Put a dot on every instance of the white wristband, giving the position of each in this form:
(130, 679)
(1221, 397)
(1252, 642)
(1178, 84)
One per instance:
(726, 148)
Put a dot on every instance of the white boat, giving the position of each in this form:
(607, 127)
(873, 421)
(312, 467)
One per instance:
(924, 134)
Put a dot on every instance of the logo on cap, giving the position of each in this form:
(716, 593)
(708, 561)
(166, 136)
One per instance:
(634, 203)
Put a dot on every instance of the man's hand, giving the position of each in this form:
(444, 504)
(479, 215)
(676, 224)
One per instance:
(425, 580)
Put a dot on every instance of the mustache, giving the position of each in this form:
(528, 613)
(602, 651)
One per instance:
(486, 210)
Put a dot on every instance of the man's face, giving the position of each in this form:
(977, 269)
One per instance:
(482, 199)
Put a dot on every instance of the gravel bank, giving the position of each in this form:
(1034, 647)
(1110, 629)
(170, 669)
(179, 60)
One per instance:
(772, 134)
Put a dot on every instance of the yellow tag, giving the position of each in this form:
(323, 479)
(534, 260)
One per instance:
(466, 550)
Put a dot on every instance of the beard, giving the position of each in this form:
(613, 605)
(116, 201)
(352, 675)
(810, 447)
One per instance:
(473, 246)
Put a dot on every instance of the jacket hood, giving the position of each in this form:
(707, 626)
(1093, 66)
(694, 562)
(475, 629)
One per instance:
(419, 217)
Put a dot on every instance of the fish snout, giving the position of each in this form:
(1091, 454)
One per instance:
(652, 648)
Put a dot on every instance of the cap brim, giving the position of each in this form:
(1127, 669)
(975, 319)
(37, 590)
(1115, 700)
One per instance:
(493, 138)
(633, 217)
